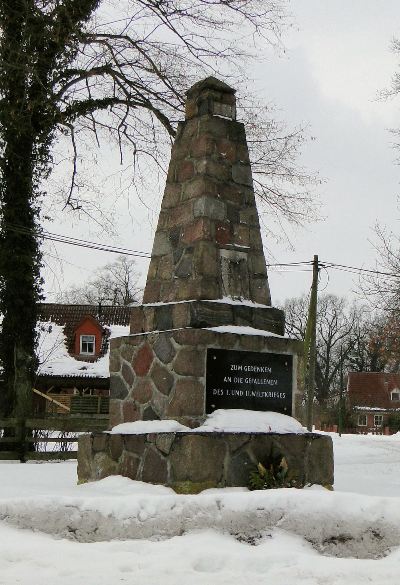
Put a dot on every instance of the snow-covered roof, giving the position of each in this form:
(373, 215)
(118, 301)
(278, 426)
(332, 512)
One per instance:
(55, 359)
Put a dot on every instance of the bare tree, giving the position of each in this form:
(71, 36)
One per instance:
(336, 324)
(93, 72)
(114, 284)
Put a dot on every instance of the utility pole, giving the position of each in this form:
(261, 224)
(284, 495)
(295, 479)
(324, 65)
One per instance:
(311, 345)
(341, 394)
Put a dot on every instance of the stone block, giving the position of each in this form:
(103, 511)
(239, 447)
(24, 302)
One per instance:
(193, 336)
(217, 169)
(161, 245)
(143, 391)
(103, 466)
(243, 152)
(164, 269)
(130, 411)
(241, 174)
(127, 351)
(184, 171)
(118, 388)
(259, 290)
(180, 215)
(163, 348)
(127, 374)
(197, 458)
(172, 195)
(249, 216)
(198, 187)
(164, 442)
(241, 234)
(209, 314)
(149, 318)
(239, 469)
(163, 317)
(116, 446)
(217, 127)
(210, 207)
(255, 239)
(180, 314)
(227, 150)
(190, 362)
(143, 360)
(203, 146)
(188, 399)
(319, 460)
(100, 442)
(251, 342)
(184, 268)
(154, 468)
(205, 259)
(243, 315)
(159, 403)
(129, 465)
(237, 133)
(223, 233)
(200, 229)
(115, 362)
(115, 413)
(85, 458)
(152, 292)
(162, 378)
(257, 264)
(134, 444)
(150, 414)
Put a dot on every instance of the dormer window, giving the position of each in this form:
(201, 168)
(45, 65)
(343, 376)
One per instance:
(87, 346)
(395, 395)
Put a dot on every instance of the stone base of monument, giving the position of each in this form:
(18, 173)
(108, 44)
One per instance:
(190, 462)
(186, 373)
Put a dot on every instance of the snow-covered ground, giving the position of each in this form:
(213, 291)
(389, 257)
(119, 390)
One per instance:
(119, 531)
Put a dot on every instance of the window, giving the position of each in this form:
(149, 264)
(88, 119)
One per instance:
(87, 344)
(378, 420)
(362, 420)
(395, 395)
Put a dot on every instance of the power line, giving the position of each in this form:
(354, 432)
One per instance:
(60, 239)
(70, 240)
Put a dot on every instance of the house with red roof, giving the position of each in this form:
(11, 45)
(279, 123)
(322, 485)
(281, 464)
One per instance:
(73, 355)
(374, 398)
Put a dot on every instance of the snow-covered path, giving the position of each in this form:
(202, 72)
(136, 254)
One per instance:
(45, 495)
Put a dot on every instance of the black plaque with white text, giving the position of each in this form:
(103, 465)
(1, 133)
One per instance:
(249, 380)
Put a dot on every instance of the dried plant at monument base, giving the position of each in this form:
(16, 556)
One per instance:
(272, 475)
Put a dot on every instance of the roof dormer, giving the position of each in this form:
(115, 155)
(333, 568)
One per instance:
(88, 338)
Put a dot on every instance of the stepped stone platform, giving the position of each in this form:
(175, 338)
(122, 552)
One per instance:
(206, 336)
(192, 462)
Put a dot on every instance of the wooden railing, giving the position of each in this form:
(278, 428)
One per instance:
(20, 438)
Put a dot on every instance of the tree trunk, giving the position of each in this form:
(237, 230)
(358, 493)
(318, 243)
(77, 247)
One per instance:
(19, 255)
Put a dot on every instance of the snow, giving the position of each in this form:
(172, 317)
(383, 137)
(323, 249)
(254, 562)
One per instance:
(220, 421)
(121, 531)
(148, 426)
(55, 360)
(225, 300)
(245, 330)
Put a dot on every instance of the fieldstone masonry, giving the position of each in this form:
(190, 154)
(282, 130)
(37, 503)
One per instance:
(208, 243)
(207, 288)
(207, 270)
(190, 462)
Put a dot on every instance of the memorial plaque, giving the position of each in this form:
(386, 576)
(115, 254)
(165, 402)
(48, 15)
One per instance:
(249, 380)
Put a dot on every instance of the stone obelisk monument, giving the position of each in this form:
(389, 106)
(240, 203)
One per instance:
(206, 336)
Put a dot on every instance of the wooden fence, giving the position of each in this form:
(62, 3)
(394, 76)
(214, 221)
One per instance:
(19, 438)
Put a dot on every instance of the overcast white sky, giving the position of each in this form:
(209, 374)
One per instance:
(337, 59)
